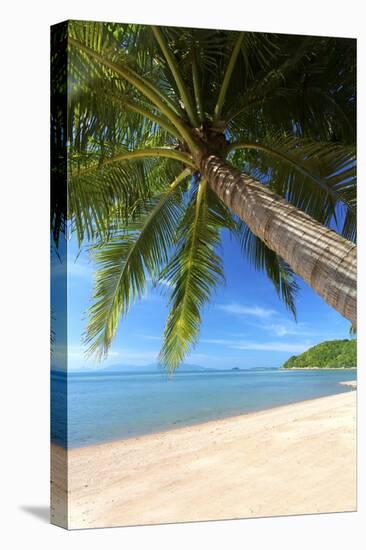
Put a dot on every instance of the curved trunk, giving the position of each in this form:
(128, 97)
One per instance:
(321, 257)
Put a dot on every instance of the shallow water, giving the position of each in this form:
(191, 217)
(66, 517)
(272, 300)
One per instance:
(108, 406)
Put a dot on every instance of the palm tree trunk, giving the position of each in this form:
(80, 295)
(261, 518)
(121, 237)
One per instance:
(321, 257)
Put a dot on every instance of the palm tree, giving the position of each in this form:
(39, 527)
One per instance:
(175, 135)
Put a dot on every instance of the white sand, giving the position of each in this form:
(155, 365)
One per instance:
(295, 459)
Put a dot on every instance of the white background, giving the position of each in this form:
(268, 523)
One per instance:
(24, 273)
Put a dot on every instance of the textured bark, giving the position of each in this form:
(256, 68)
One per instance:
(321, 257)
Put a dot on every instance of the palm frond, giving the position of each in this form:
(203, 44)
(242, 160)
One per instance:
(192, 273)
(301, 109)
(227, 77)
(113, 61)
(257, 55)
(108, 50)
(174, 68)
(95, 195)
(206, 50)
(307, 90)
(125, 260)
(108, 106)
(313, 176)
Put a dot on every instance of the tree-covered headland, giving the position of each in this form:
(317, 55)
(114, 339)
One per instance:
(331, 354)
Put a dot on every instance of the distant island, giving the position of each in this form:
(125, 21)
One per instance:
(152, 367)
(333, 354)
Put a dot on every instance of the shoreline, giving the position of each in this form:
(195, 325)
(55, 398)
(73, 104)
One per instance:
(291, 459)
(349, 383)
(317, 368)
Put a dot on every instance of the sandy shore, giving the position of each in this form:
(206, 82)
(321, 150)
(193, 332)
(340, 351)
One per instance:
(295, 459)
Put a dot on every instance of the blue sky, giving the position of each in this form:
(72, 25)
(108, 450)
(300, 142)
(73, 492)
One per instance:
(245, 325)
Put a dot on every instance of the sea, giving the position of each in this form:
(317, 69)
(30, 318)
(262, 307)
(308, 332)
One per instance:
(102, 407)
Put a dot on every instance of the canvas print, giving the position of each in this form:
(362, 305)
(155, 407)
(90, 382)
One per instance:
(203, 284)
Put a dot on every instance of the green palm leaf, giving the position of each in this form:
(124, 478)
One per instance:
(97, 195)
(309, 91)
(192, 273)
(126, 259)
(113, 63)
(314, 176)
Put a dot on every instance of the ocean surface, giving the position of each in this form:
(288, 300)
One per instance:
(109, 406)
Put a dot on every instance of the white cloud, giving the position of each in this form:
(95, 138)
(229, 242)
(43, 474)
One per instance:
(288, 347)
(218, 341)
(77, 359)
(255, 311)
(286, 328)
(137, 357)
(291, 347)
(281, 330)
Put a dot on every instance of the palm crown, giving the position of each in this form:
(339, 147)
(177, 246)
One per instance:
(144, 105)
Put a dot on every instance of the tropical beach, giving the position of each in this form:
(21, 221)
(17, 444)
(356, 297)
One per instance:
(294, 459)
(204, 329)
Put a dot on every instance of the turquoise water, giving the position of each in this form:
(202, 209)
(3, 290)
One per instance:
(104, 407)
